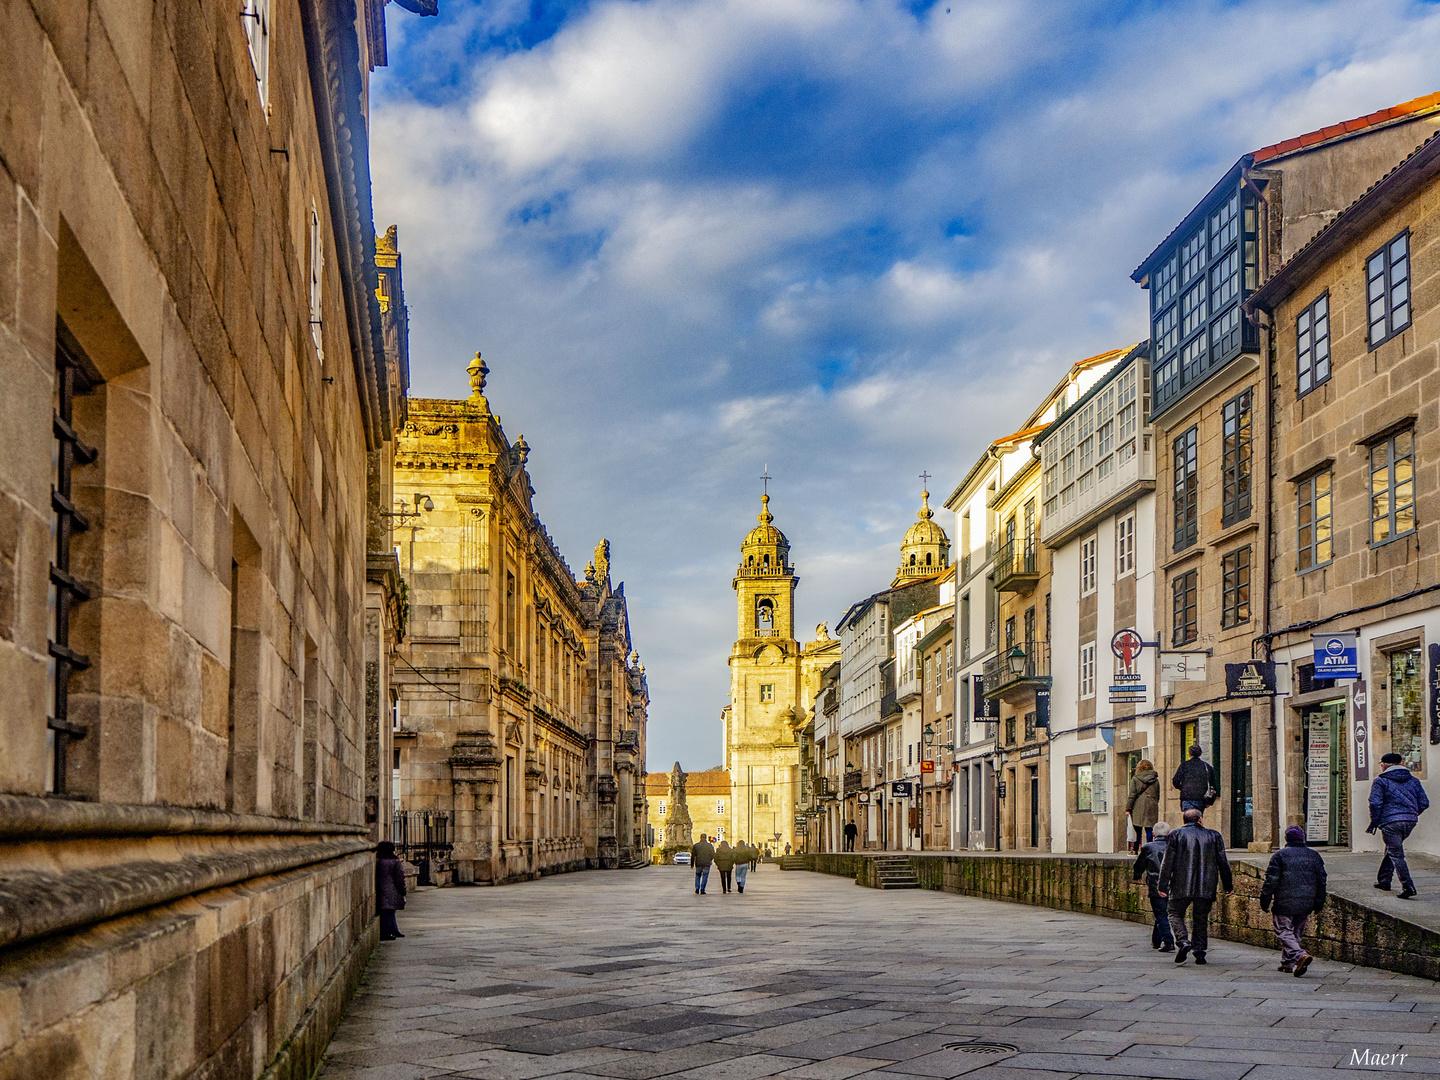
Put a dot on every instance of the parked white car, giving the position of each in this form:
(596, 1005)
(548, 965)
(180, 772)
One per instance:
(682, 858)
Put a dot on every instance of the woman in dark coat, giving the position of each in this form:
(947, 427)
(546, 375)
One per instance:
(389, 889)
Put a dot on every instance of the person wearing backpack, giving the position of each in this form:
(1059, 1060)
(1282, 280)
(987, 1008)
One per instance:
(1195, 780)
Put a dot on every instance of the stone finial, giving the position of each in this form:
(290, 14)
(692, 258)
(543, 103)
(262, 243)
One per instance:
(478, 370)
(523, 449)
(590, 571)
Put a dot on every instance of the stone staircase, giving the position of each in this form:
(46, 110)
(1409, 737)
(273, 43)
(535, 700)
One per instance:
(894, 872)
(635, 862)
(792, 862)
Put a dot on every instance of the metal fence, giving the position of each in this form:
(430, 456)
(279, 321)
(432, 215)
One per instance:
(422, 837)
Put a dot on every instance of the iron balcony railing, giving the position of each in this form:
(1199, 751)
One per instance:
(1004, 671)
(1016, 562)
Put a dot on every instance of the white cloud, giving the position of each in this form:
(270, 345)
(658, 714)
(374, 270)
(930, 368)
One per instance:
(697, 236)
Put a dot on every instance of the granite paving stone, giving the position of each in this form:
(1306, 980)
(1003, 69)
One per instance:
(628, 975)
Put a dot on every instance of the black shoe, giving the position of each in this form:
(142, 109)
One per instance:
(1182, 952)
(1384, 887)
(387, 937)
(1167, 948)
(742, 888)
(399, 934)
(1200, 958)
(1406, 894)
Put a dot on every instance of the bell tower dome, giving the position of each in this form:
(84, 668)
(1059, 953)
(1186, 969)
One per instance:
(765, 582)
(925, 549)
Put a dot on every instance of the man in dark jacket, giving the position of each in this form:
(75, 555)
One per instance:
(389, 889)
(1294, 888)
(1397, 800)
(701, 856)
(1195, 780)
(851, 829)
(1194, 860)
(1148, 863)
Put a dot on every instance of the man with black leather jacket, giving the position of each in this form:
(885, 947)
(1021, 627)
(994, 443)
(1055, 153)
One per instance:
(1148, 863)
(1194, 864)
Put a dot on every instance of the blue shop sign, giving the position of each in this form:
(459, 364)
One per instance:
(1336, 656)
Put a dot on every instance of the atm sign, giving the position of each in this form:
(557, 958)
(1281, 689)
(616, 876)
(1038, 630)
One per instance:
(1337, 656)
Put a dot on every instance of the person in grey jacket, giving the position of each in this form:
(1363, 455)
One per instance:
(1195, 863)
(1294, 889)
(389, 889)
(1397, 800)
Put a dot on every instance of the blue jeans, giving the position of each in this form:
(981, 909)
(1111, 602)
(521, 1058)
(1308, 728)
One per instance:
(702, 875)
(1160, 933)
(1394, 860)
(1192, 804)
(741, 871)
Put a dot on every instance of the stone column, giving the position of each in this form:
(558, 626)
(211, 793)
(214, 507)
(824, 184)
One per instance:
(475, 772)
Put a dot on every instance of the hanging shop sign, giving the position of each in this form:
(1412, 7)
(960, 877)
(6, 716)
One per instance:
(1255, 678)
(852, 781)
(985, 708)
(1182, 667)
(864, 796)
(1127, 689)
(1029, 752)
(1042, 707)
(1336, 655)
(900, 789)
(1127, 645)
(1360, 711)
(927, 766)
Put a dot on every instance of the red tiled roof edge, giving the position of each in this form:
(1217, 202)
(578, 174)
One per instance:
(1349, 127)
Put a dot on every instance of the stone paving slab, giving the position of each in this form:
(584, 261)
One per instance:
(629, 975)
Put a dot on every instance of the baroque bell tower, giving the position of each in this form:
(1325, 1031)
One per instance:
(765, 582)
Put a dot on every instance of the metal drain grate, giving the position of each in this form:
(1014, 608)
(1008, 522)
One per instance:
(982, 1047)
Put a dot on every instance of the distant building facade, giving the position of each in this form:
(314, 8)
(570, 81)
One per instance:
(521, 706)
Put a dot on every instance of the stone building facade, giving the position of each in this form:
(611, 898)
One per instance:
(520, 704)
(1211, 401)
(197, 377)
(1352, 323)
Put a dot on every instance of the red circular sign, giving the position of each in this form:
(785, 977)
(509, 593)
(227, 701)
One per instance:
(1127, 646)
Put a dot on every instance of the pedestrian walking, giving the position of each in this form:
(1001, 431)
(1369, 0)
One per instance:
(850, 831)
(1195, 780)
(1194, 863)
(1143, 801)
(1397, 800)
(702, 854)
(787, 849)
(725, 863)
(389, 889)
(1294, 889)
(744, 857)
(1148, 864)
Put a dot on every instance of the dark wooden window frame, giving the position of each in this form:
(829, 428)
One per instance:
(1394, 315)
(1236, 569)
(1312, 345)
(1184, 590)
(1308, 520)
(1393, 486)
(1187, 488)
(1238, 426)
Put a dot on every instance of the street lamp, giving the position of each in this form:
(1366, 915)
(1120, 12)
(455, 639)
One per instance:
(1016, 659)
(929, 735)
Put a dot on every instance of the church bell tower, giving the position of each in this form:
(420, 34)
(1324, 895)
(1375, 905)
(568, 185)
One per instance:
(765, 582)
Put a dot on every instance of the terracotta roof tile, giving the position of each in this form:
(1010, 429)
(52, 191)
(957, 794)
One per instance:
(1349, 127)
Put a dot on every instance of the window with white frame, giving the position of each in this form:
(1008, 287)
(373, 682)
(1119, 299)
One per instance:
(1087, 670)
(950, 660)
(1125, 545)
(1090, 444)
(317, 277)
(255, 19)
(663, 808)
(1088, 548)
(719, 806)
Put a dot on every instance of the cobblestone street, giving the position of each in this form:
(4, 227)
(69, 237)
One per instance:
(631, 974)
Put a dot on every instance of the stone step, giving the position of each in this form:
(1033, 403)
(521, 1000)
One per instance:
(792, 862)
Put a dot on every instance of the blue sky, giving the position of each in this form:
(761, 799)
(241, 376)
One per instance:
(850, 239)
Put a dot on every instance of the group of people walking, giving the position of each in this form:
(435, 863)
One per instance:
(1184, 869)
(733, 861)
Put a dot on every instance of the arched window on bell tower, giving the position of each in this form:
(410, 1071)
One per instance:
(764, 614)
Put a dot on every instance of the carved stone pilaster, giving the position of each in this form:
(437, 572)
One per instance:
(474, 758)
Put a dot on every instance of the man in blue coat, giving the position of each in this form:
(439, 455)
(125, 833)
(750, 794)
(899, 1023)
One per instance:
(1397, 800)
